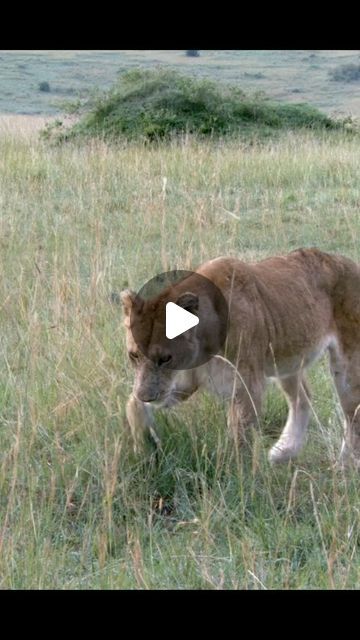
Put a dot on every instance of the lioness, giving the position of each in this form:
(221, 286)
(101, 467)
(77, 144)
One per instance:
(284, 313)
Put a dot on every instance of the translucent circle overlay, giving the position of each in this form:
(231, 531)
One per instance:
(196, 294)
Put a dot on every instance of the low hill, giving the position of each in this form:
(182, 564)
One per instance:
(158, 104)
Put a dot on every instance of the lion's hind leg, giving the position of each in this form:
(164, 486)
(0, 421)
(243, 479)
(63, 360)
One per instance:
(294, 433)
(345, 369)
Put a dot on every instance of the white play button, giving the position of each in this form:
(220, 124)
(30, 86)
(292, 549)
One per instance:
(178, 320)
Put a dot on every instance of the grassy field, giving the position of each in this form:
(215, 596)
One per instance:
(78, 509)
(291, 75)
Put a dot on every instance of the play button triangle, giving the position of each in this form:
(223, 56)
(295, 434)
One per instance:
(178, 320)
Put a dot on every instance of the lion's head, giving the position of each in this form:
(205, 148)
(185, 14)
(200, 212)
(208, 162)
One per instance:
(157, 359)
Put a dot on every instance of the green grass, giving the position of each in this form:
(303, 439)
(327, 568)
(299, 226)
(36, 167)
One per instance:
(78, 509)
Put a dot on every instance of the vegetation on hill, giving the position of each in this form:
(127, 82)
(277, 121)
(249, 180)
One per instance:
(159, 104)
(346, 73)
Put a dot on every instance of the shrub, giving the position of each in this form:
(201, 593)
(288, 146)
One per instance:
(159, 104)
(346, 73)
(44, 86)
(256, 76)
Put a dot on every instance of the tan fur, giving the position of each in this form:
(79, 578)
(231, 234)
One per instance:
(285, 312)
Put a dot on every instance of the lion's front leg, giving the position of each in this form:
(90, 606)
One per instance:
(243, 414)
(141, 421)
(243, 388)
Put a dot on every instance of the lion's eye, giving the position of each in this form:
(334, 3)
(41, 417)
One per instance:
(133, 355)
(164, 360)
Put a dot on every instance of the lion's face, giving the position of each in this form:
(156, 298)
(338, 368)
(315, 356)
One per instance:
(156, 359)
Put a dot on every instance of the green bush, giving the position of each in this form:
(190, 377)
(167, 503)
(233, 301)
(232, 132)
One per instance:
(153, 105)
(346, 73)
(44, 86)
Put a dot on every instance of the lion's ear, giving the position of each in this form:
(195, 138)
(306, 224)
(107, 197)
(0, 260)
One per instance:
(189, 302)
(128, 299)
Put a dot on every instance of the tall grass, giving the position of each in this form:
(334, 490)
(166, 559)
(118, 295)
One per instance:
(78, 509)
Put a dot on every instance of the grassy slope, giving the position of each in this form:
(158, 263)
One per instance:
(293, 76)
(78, 509)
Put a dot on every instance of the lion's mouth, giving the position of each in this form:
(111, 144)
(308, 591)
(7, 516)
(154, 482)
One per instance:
(168, 400)
(174, 397)
(158, 403)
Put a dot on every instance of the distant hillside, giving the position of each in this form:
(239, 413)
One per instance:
(38, 82)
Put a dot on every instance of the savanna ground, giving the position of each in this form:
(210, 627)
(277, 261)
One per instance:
(287, 75)
(78, 509)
